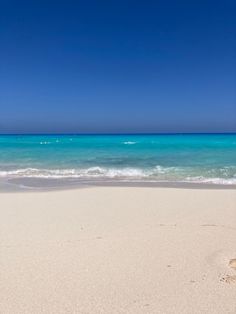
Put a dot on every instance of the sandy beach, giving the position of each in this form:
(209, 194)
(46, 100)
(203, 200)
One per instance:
(118, 250)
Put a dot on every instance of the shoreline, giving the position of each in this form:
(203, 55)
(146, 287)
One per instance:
(44, 185)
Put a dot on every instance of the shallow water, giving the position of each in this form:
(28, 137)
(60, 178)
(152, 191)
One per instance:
(205, 158)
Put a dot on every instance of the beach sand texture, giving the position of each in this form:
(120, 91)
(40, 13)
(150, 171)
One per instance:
(118, 250)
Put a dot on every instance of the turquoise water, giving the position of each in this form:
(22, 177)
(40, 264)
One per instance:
(151, 158)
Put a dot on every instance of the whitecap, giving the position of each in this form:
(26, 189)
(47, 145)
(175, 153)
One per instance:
(129, 143)
(44, 143)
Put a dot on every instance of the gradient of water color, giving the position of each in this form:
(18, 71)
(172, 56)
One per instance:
(208, 158)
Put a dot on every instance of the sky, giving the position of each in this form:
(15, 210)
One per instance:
(117, 66)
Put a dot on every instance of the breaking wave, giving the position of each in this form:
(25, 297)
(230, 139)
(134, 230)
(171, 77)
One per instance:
(156, 174)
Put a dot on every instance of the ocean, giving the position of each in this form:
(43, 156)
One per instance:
(198, 158)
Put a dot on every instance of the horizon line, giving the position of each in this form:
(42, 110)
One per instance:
(121, 133)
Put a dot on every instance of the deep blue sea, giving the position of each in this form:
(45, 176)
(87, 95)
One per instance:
(207, 158)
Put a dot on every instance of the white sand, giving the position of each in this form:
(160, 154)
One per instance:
(118, 250)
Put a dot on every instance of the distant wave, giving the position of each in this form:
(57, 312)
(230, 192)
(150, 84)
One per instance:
(45, 143)
(156, 174)
(129, 143)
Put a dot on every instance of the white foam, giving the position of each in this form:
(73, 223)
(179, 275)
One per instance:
(156, 174)
(202, 179)
(45, 143)
(129, 143)
(93, 172)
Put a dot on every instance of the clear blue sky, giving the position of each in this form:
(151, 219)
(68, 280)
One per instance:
(117, 66)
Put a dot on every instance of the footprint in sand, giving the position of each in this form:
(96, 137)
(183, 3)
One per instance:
(221, 261)
(232, 263)
(228, 278)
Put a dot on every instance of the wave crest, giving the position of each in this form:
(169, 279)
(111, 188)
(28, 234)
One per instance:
(129, 143)
(156, 174)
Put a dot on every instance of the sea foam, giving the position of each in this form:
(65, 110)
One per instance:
(156, 174)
